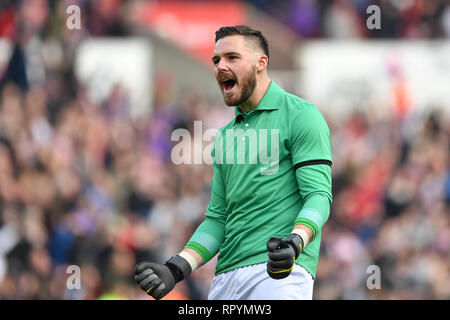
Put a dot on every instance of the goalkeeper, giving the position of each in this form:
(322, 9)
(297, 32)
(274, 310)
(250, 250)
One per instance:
(266, 212)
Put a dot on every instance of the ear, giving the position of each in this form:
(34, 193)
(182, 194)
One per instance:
(262, 63)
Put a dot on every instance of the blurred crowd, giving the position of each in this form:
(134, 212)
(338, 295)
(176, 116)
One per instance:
(85, 184)
(92, 190)
(409, 19)
(391, 189)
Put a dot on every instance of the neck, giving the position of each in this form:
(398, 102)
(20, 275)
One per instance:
(257, 95)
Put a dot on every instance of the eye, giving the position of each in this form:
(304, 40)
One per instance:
(233, 57)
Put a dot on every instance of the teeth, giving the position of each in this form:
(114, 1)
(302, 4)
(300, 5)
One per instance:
(226, 79)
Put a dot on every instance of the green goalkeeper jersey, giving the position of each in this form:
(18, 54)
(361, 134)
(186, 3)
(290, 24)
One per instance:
(272, 170)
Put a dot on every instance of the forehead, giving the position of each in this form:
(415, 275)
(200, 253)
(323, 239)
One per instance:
(234, 43)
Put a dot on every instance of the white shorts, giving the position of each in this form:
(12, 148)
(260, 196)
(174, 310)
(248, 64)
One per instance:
(253, 283)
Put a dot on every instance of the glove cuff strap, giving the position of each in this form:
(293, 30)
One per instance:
(179, 267)
(296, 243)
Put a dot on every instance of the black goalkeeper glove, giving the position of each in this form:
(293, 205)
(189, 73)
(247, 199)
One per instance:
(157, 279)
(282, 255)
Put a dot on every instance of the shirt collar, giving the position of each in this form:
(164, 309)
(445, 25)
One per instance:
(270, 101)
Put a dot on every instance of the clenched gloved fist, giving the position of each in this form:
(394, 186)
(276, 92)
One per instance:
(157, 279)
(282, 255)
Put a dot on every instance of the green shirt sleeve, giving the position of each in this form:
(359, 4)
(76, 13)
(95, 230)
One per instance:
(311, 156)
(217, 206)
(315, 189)
(310, 136)
(208, 237)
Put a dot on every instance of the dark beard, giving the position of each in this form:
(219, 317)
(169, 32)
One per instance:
(248, 86)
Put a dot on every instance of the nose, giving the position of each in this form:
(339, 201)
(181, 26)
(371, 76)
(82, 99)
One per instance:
(221, 66)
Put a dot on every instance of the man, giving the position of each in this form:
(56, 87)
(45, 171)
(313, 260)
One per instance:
(257, 198)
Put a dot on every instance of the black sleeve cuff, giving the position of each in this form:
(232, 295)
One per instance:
(179, 267)
(311, 163)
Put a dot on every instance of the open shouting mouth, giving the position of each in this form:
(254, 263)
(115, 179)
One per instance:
(228, 85)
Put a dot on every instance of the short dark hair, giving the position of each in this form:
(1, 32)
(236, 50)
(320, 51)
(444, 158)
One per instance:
(245, 31)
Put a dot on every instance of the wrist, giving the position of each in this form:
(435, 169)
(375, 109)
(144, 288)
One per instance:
(296, 242)
(194, 259)
(179, 267)
(303, 234)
